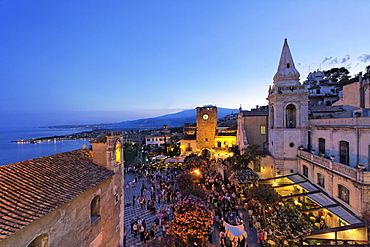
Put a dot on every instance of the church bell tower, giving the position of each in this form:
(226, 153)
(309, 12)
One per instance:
(288, 114)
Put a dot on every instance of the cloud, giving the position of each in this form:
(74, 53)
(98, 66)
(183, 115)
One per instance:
(345, 59)
(326, 59)
(364, 58)
(334, 61)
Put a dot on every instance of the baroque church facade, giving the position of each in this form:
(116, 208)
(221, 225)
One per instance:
(322, 165)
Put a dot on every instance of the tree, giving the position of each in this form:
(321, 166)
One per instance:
(191, 220)
(194, 162)
(338, 75)
(366, 75)
(247, 156)
(288, 224)
(130, 153)
(187, 186)
(264, 194)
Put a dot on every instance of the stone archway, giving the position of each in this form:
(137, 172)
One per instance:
(206, 154)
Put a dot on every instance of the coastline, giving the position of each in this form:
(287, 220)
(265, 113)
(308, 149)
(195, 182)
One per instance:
(12, 152)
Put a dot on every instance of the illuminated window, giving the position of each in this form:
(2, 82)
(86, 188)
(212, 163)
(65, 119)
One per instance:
(263, 130)
(95, 209)
(343, 193)
(305, 171)
(118, 152)
(320, 180)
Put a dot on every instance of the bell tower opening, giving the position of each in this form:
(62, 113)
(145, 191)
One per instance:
(291, 121)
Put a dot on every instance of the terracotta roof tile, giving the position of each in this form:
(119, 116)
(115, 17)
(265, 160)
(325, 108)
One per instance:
(32, 188)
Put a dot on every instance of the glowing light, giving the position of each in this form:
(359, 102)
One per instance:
(197, 172)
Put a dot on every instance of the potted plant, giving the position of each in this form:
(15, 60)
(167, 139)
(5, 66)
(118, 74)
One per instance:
(332, 157)
(321, 154)
(313, 151)
(300, 147)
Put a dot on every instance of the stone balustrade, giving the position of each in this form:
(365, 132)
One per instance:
(352, 173)
(352, 121)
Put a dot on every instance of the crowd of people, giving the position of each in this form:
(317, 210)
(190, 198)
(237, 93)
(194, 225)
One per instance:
(158, 185)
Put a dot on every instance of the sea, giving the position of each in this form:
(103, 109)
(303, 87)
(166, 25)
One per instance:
(12, 152)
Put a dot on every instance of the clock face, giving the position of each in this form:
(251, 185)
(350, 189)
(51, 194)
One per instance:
(205, 116)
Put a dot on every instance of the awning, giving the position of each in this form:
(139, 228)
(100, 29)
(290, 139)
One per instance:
(235, 233)
(320, 198)
(175, 160)
(160, 157)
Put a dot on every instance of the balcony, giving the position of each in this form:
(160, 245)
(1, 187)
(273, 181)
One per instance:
(360, 176)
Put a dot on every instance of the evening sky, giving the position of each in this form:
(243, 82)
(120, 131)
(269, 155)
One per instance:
(79, 62)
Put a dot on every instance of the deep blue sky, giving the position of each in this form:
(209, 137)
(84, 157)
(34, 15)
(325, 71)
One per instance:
(74, 62)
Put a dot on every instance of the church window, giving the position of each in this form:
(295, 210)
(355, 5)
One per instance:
(218, 144)
(343, 193)
(41, 241)
(305, 171)
(291, 144)
(118, 152)
(317, 91)
(95, 209)
(290, 116)
(320, 180)
(288, 65)
(226, 144)
(263, 129)
(344, 152)
(321, 146)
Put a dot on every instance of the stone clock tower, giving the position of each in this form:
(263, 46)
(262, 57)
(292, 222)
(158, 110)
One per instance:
(288, 115)
(206, 129)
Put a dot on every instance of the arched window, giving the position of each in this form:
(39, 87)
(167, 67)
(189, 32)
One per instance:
(320, 180)
(41, 241)
(291, 116)
(343, 193)
(321, 145)
(226, 144)
(95, 209)
(305, 171)
(218, 144)
(344, 152)
(118, 152)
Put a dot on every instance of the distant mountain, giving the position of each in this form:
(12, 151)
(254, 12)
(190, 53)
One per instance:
(172, 120)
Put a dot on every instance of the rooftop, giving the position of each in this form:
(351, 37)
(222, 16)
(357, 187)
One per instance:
(30, 189)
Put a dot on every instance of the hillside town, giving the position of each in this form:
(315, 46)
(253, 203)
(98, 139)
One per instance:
(294, 172)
